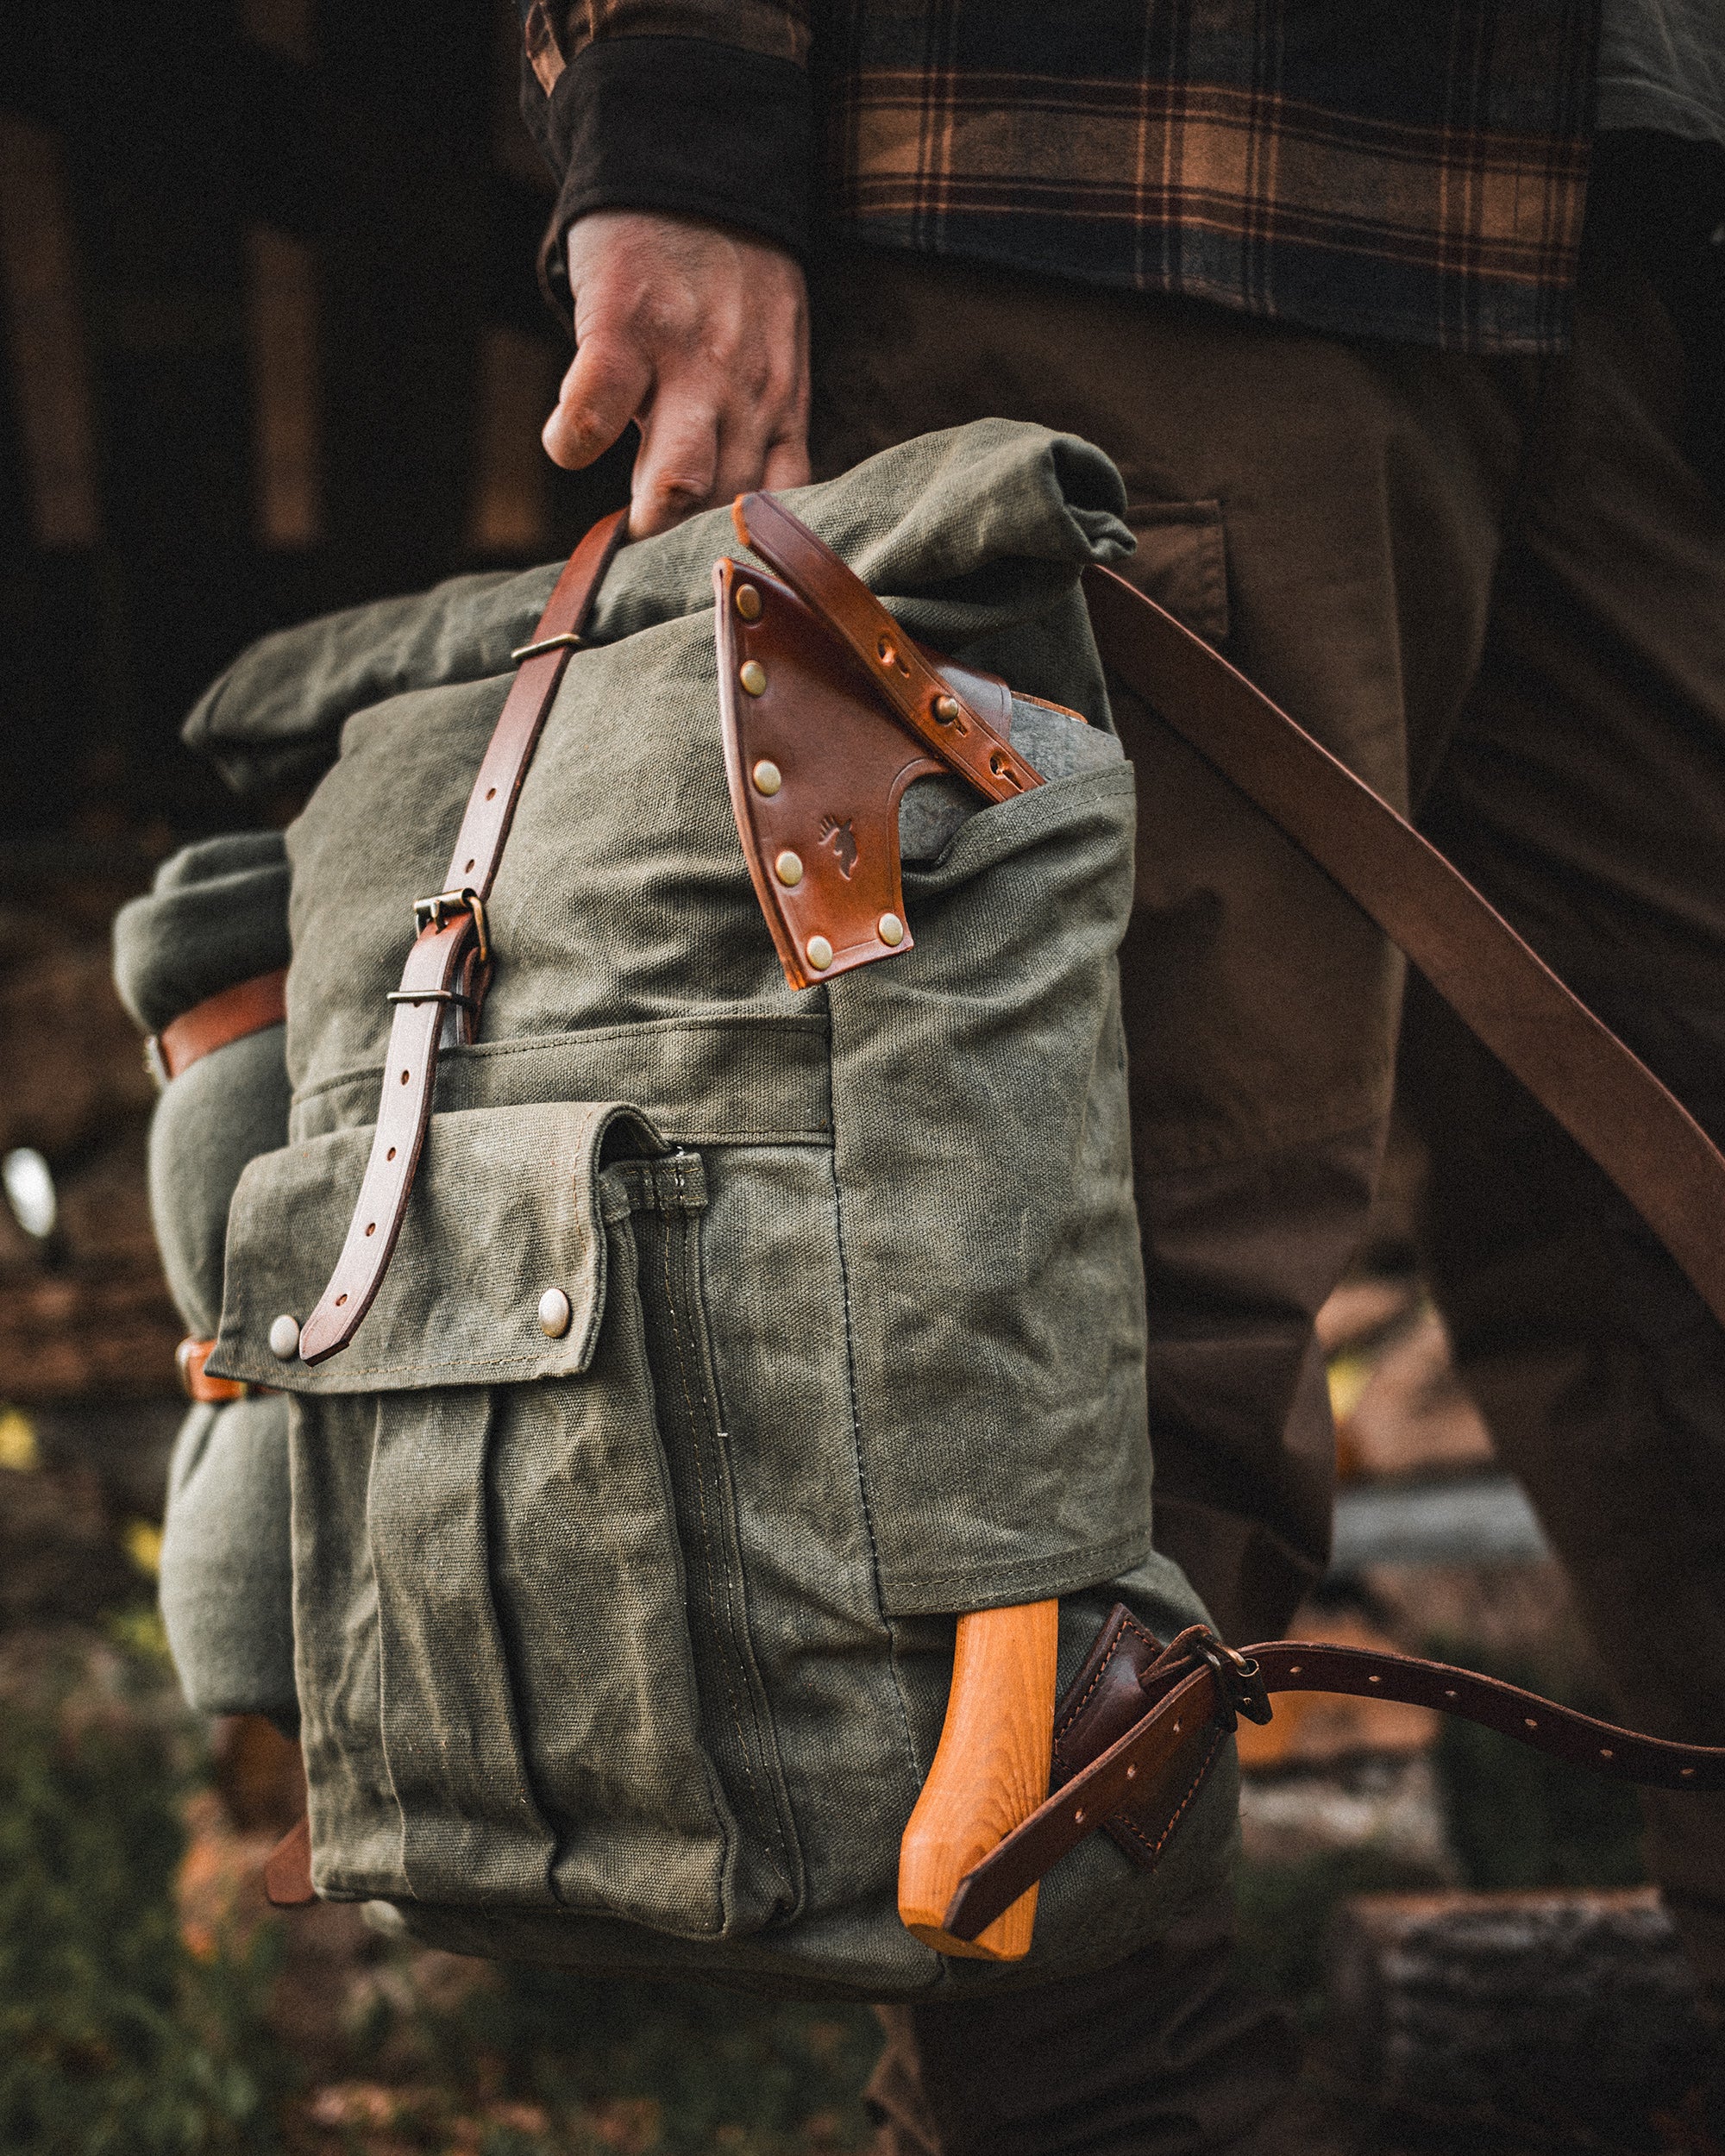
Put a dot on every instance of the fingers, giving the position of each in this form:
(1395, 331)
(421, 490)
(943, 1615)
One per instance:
(607, 383)
(700, 335)
(676, 470)
(787, 465)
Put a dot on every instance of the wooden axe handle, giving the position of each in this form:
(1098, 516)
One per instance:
(990, 1773)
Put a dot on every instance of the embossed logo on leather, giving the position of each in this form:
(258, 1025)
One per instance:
(843, 841)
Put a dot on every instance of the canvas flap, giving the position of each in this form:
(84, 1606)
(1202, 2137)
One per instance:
(508, 1203)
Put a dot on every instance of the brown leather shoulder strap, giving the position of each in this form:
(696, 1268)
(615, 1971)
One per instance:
(449, 963)
(1193, 1688)
(1607, 1100)
(247, 1007)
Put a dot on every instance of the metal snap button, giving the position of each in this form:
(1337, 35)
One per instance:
(554, 1313)
(283, 1338)
(891, 929)
(819, 953)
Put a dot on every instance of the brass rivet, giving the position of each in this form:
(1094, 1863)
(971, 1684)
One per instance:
(946, 709)
(819, 952)
(890, 929)
(283, 1338)
(767, 776)
(554, 1313)
(788, 868)
(753, 676)
(748, 602)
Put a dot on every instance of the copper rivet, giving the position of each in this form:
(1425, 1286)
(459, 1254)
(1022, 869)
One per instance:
(767, 776)
(285, 1339)
(748, 602)
(1531, 1723)
(1078, 1816)
(1131, 1774)
(1296, 1668)
(946, 709)
(554, 1313)
(1687, 1773)
(819, 953)
(1374, 1680)
(890, 929)
(788, 868)
(1606, 1752)
(753, 676)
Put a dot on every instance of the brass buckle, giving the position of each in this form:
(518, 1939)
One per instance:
(433, 911)
(568, 641)
(1239, 1683)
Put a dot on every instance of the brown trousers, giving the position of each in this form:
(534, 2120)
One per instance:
(1496, 589)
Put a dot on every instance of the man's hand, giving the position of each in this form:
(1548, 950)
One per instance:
(699, 334)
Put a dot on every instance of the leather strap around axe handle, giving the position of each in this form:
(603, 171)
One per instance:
(1202, 1684)
(1608, 1100)
(449, 963)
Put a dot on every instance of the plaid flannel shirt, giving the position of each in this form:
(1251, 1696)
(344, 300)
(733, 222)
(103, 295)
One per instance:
(1415, 173)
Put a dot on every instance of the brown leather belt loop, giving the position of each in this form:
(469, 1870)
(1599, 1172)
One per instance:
(448, 967)
(1202, 1684)
(1608, 1100)
(247, 1007)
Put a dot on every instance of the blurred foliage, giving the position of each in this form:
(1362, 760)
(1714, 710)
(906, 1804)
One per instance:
(113, 2037)
(670, 2068)
(1285, 1911)
(1517, 1818)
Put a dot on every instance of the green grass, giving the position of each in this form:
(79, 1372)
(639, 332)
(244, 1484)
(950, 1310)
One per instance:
(112, 2036)
(683, 2067)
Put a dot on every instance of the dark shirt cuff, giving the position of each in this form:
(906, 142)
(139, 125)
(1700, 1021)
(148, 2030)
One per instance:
(681, 124)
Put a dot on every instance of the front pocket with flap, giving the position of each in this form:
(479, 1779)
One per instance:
(500, 1534)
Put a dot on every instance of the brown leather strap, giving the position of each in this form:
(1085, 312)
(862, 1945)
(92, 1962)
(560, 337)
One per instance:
(449, 964)
(1607, 1100)
(1195, 1684)
(247, 1007)
(287, 1874)
(189, 1357)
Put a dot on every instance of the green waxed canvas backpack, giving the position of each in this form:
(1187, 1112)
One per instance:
(629, 1645)
(642, 1356)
